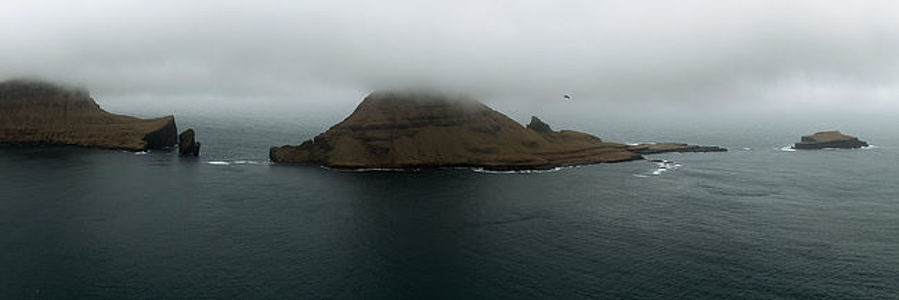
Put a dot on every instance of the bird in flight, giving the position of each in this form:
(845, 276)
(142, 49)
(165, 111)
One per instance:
(566, 97)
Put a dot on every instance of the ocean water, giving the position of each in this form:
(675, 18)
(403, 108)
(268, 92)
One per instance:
(756, 222)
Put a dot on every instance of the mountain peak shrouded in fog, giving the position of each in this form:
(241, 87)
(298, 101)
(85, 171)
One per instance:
(617, 53)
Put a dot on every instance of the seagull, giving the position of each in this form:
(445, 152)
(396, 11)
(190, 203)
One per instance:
(566, 97)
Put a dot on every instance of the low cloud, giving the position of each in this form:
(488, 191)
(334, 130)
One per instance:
(617, 53)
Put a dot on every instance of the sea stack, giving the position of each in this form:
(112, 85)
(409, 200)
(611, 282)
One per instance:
(187, 144)
(40, 113)
(829, 139)
(414, 129)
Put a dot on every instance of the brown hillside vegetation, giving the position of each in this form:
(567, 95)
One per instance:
(417, 129)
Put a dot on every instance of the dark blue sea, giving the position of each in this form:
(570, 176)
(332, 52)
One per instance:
(757, 222)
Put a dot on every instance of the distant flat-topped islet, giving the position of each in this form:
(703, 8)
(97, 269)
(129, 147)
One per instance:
(829, 139)
(422, 130)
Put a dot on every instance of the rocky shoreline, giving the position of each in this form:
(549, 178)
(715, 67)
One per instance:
(672, 147)
(415, 130)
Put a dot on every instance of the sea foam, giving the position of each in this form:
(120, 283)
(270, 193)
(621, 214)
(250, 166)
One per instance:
(485, 171)
(663, 166)
(363, 170)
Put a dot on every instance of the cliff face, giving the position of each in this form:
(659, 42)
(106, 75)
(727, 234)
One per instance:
(411, 130)
(829, 139)
(45, 114)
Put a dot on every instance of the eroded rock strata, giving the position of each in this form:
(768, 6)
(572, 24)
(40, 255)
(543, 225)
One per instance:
(40, 113)
(421, 130)
(829, 139)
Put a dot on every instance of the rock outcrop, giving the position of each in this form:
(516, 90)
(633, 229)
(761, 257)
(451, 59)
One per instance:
(421, 130)
(187, 144)
(672, 147)
(829, 139)
(40, 113)
(538, 125)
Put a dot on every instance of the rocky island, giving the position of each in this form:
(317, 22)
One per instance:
(829, 139)
(40, 113)
(427, 130)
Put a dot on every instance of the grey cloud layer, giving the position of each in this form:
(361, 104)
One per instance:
(823, 52)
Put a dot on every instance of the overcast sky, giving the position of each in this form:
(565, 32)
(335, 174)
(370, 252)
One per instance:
(699, 53)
